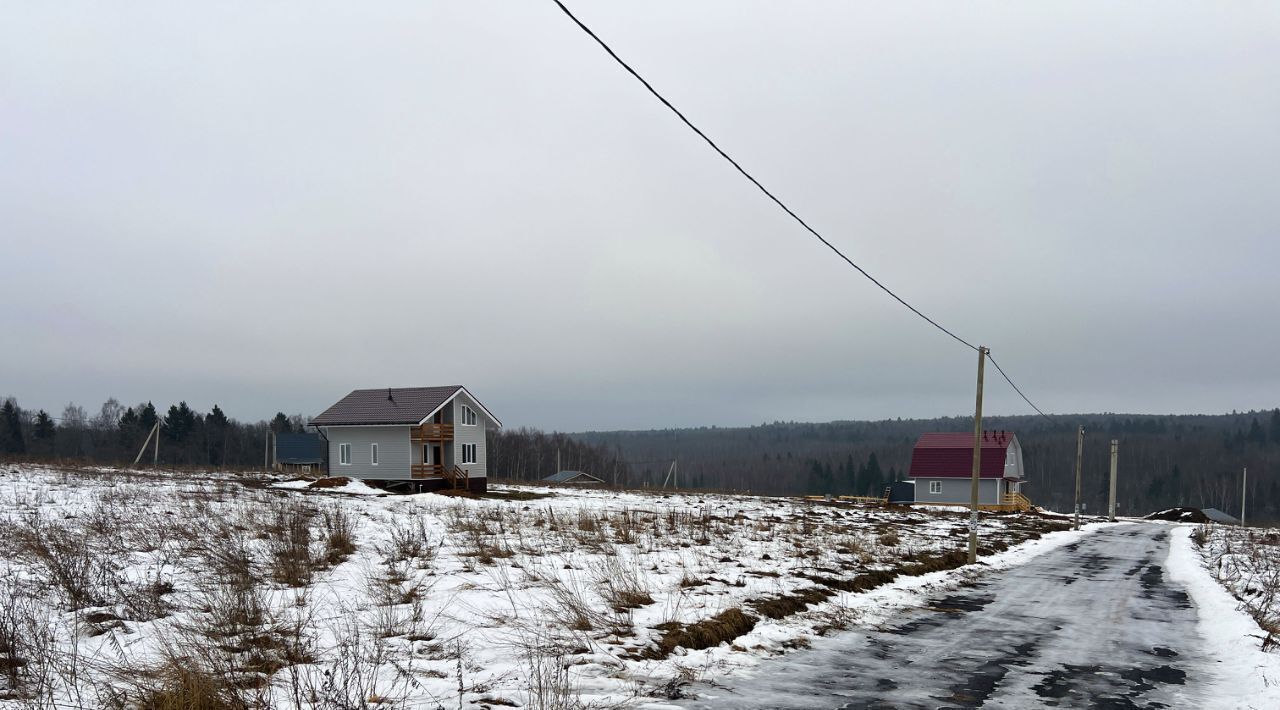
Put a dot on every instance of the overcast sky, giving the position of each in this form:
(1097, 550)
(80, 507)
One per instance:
(266, 205)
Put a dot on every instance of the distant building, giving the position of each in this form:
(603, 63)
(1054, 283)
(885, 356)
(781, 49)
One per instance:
(942, 468)
(299, 453)
(424, 438)
(577, 477)
(1218, 516)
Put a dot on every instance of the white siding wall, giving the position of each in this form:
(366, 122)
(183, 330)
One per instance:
(393, 451)
(463, 434)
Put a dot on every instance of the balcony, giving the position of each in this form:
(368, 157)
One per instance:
(432, 432)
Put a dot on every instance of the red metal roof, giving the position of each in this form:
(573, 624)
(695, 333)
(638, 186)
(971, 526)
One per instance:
(948, 455)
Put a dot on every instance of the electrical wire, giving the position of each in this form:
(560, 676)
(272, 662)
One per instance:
(756, 182)
(609, 50)
(1016, 389)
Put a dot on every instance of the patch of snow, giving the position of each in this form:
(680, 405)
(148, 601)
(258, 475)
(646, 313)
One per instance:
(1246, 676)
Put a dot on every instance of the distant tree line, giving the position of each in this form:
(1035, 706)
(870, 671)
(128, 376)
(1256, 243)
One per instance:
(530, 455)
(1164, 460)
(115, 434)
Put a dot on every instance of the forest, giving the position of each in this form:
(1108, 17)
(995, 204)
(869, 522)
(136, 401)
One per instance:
(1164, 461)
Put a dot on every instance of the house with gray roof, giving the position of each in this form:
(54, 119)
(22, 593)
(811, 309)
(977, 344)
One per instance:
(297, 453)
(420, 438)
(578, 477)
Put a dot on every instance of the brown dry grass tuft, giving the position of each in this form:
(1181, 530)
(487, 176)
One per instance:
(708, 633)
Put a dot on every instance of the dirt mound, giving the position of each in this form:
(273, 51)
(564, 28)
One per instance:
(1180, 515)
(336, 482)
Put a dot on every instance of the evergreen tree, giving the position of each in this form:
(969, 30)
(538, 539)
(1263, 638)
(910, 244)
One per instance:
(216, 425)
(280, 424)
(875, 477)
(1256, 434)
(1275, 426)
(44, 428)
(147, 418)
(11, 439)
(179, 422)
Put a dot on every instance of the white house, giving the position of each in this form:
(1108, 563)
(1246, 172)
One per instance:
(424, 438)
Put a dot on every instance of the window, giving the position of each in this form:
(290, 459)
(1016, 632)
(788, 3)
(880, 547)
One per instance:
(935, 487)
(468, 453)
(344, 454)
(468, 416)
(373, 454)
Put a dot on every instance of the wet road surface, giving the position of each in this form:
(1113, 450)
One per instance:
(1094, 624)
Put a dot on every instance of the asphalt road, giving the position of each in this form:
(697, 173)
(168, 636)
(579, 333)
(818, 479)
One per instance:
(1094, 624)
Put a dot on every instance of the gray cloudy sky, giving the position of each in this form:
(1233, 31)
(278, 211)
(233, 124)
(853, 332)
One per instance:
(265, 205)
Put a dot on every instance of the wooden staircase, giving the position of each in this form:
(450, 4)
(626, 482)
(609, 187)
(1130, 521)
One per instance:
(454, 477)
(457, 479)
(1018, 502)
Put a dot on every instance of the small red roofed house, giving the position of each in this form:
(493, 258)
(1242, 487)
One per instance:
(942, 467)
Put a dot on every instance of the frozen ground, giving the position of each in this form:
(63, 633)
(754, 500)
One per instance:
(1124, 618)
(120, 586)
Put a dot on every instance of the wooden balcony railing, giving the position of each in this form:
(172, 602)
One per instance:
(427, 470)
(432, 432)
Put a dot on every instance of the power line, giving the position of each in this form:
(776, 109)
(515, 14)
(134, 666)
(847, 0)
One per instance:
(783, 205)
(756, 182)
(1015, 389)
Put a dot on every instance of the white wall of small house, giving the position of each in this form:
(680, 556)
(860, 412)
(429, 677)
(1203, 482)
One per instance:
(957, 490)
(394, 452)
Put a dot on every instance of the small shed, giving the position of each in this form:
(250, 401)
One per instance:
(577, 477)
(299, 453)
(902, 492)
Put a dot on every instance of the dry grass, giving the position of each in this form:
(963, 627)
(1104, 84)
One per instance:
(708, 633)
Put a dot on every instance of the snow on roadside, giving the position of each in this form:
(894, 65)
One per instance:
(1248, 678)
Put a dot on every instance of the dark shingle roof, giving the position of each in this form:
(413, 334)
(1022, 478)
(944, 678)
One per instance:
(395, 405)
(299, 448)
(947, 455)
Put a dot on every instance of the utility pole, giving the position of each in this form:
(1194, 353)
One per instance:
(266, 450)
(1111, 506)
(1079, 455)
(155, 431)
(1244, 491)
(977, 461)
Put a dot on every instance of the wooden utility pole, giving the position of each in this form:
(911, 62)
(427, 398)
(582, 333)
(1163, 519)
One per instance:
(1111, 505)
(1079, 455)
(977, 461)
(266, 450)
(1244, 491)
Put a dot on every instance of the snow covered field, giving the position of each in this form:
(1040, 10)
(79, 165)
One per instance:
(127, 588)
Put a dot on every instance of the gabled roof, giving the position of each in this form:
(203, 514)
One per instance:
(950, 455)
(392, 405)
(571, 476)
(1218, 516)
(299, 448)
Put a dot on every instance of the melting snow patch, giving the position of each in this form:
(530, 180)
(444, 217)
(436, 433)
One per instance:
(1245, 676)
